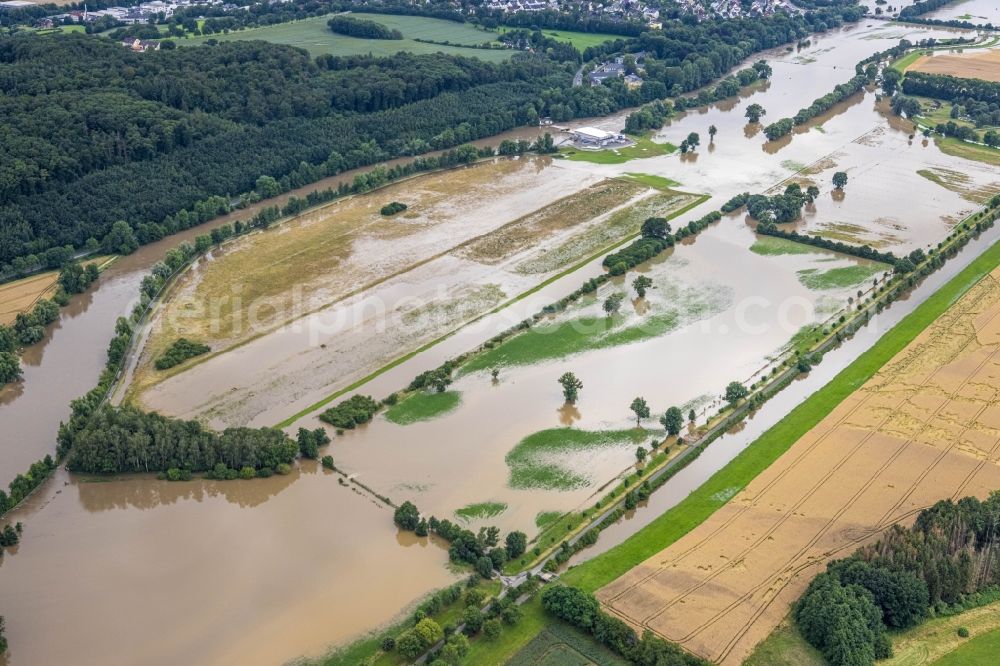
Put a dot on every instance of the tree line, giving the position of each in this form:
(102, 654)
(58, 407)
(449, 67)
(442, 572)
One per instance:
(952, 88)
(840, 92)
(939, 566)
(863, 252)
(362, 28)
(922, 7)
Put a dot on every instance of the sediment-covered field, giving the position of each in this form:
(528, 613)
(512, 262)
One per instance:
(925, 427)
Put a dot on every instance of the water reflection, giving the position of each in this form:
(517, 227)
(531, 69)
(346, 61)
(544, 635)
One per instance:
(147, 492)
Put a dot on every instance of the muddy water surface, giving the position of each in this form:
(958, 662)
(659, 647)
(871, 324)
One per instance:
(973, 11)
(165, 575)
(140, 571)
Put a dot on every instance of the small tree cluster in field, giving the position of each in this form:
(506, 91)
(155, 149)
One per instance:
(354, 411)
(181, 350)
(392, 208)
(310, 440)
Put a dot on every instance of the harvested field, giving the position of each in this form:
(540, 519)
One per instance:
(983, 65)
(561, 215)
(21, 295)
(925, 427)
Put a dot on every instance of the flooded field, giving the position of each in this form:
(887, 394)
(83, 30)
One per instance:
(973, 11)
(433, 270)
(283, 559)
(702, 321)
(923, 428)
(205, 572)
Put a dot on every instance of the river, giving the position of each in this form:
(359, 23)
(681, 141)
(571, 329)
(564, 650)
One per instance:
(140, 571)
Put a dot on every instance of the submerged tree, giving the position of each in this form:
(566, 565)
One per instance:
(407, 516)
(712, 131)
(839, 180)
(641, 284)
(754, 113)
(641, 409)
(613, 303)
(571, 386)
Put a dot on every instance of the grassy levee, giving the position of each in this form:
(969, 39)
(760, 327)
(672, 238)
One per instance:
(758, 456)
(700, 199)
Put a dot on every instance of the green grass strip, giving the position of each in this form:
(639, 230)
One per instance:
(700, 504)
(423, 406)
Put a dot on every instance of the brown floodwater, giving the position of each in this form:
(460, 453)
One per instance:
(728, 446)
(973, 11)
(141, 571)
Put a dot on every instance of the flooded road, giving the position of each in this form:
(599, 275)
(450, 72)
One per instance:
(263, 571)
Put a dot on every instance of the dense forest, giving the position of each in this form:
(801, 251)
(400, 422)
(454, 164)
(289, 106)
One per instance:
(939, 566)
(95, 133)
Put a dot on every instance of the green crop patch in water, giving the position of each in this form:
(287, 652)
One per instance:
(671, 306)
(771, 246)
(480, 511)
(658, 182)
(546, 518)
(839, 278)
(423, 406)
(538, 460)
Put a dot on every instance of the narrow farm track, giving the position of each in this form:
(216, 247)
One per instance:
(890, 450)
